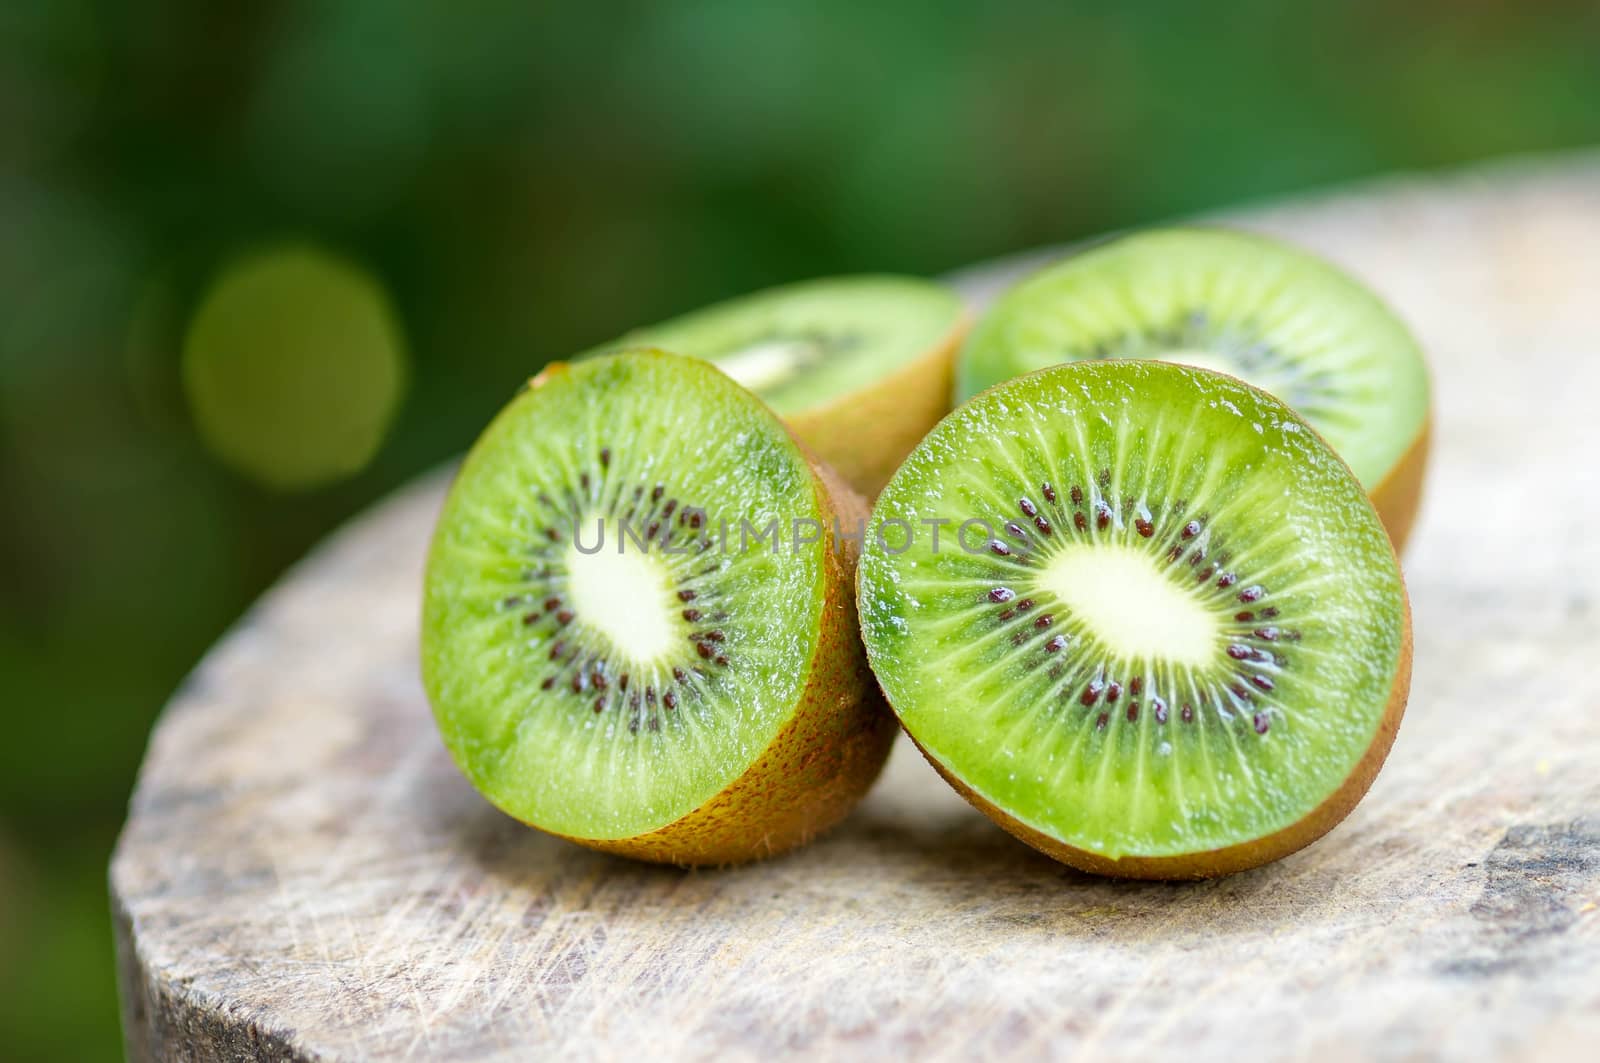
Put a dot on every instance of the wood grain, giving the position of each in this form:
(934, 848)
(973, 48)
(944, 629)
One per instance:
(304, 875)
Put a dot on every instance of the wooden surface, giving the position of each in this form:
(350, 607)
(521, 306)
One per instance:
(305, 875)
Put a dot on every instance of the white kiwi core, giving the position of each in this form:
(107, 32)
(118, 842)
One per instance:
(622, 592)
(1134, 609)
(1199, 359)
(768, 363)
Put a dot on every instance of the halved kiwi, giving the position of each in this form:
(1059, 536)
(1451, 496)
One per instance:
(636, 633)
(859, 366)
(1161, 632)
(1255, 308)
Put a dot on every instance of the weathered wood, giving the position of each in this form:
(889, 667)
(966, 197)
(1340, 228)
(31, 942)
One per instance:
(304, 874)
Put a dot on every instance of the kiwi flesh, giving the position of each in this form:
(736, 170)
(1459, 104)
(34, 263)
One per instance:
(1174, 642)
(859, 366)
(635, 635)
(1253, 307)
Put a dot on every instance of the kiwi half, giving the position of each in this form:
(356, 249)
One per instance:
(635, 632)
(1255, 308)
(1173, 642)
(859, 366)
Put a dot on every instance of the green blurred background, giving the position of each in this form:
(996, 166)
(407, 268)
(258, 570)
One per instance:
(261, 263)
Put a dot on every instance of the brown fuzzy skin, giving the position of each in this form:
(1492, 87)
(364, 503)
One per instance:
(1244, 855)
(1398, 494)
(865, 435)
(824, 759)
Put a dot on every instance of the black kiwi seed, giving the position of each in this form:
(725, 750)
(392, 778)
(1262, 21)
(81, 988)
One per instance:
(1002, 594)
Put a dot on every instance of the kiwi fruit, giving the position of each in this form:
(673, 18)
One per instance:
(637, 632)
(859, 366)
(1255, 308)
(1141, 615)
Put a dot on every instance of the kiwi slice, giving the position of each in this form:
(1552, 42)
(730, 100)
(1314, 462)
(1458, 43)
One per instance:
(1161, 633)
(859, 366)
(1267, 313)
(635, 633)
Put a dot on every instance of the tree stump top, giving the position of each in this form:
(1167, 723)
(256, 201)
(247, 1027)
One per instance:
(305, 875)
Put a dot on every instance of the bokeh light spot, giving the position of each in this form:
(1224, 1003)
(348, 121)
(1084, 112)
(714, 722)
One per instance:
(294, 366)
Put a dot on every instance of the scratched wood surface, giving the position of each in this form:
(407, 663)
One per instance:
(304, 875)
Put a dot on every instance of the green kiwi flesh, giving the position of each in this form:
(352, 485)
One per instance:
(1255, 308)
(1178, 630)
(604, 693)
(805, 345)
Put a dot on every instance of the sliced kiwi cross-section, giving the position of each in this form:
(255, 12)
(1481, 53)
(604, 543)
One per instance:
(1161, 631)
(1270, 314)
(634, 634)
(859, 366)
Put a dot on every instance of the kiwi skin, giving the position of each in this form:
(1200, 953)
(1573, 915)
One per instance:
(1242, 856)
(1405, 487)
(865, 435)
(1398, 494)
(823, 761)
